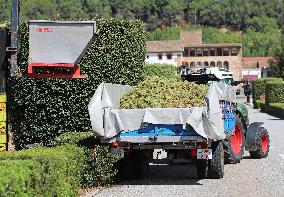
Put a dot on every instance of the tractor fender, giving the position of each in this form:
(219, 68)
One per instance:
(251, 135)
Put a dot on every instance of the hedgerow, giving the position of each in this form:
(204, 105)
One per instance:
(41, 109)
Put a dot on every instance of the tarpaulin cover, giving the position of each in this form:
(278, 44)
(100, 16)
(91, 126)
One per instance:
(108, 120)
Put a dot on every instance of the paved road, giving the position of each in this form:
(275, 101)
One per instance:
(251, 177)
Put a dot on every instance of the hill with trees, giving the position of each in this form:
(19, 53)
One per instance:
(259, 21)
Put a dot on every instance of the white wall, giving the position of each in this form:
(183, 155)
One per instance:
(153, 58)
(251, 72)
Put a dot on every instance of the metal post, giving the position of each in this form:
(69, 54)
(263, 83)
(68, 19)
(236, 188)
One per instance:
(14, 38)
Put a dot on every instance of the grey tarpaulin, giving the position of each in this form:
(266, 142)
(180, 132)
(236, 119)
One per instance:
(108, 120)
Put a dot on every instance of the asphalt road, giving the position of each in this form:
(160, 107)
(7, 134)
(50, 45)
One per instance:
(251, 177)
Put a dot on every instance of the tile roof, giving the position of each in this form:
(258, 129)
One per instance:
(164, 46)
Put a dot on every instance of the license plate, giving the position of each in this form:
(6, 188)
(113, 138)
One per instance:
(118, 152)
(204, 153)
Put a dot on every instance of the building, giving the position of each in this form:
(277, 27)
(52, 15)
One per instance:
(191, 51)
(255, 67)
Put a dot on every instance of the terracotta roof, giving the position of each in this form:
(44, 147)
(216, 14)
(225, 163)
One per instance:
(217, 45)
(253, 62)
(164, 46)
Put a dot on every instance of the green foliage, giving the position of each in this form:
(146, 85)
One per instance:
(157, 92)
(99, 161)
(277, 65)
(42, 109)
(42, 171)
(277, 109)
(258, 88)
(160, 70)
(274, 92)
(261, 104)
(237, 14)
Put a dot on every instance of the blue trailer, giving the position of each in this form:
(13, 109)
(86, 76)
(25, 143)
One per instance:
(182, 143)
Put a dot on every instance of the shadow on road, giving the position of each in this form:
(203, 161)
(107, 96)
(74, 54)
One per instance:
(177, 174)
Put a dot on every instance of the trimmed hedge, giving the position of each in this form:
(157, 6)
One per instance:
(277, 109)
(99, 169)
(274, 92)
(258, 88)
(261, 105)
(42, 171)
(41, 109)
(161, 70)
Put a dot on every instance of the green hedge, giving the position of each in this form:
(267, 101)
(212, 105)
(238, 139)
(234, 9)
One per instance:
(161, 70)
(258, 88)
(99, 168)
(41, 109)
(274, 92)
(277, 109)
(42, 171)
(261, 105)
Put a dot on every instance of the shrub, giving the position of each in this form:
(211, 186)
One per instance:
(261, 105)
(48, 171)
(160, 70)
(274, 92)
(99, 164)
(42, 109)
(277, 109)
(258, 88)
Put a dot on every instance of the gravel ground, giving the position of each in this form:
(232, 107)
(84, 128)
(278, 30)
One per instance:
(251, 177)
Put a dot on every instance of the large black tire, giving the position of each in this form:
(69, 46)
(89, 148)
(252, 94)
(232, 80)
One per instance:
(202, 168)
(262, 144)
(139, 164)
(216, 164)
(233, 154)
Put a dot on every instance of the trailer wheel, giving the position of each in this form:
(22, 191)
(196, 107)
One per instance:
(139, 164)
(202, 166)
(216, 164)
(234, 146)
(262, 144)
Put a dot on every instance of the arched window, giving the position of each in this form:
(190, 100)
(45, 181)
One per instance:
(199, 63)
(192, 64)
(205, 64)
(226, 65)
(212, 64)
(219, 64)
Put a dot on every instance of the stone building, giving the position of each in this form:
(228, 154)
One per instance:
(192, 52)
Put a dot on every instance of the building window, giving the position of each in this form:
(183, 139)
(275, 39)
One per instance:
(169, 56)
(225, 52)
(185, 53)
(234, 52)
(199, 63)
(178, 55)
(226, 65)
(212, 52)
(205, 64)
(192, 64)
(212, 64)
(147, 56)
(219, 64)
(192, 53)
(199, 53)
(160, 56)
(205, 52)
(219, 52)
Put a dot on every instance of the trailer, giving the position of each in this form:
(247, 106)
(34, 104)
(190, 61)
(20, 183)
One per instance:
(209, 136)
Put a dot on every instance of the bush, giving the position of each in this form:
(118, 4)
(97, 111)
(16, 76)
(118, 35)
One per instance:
(274, 92)
(42, 109)
(277, 109)
(160, 70)
(99, 164)
(42, 171)
(261, 105)
(258, 88)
